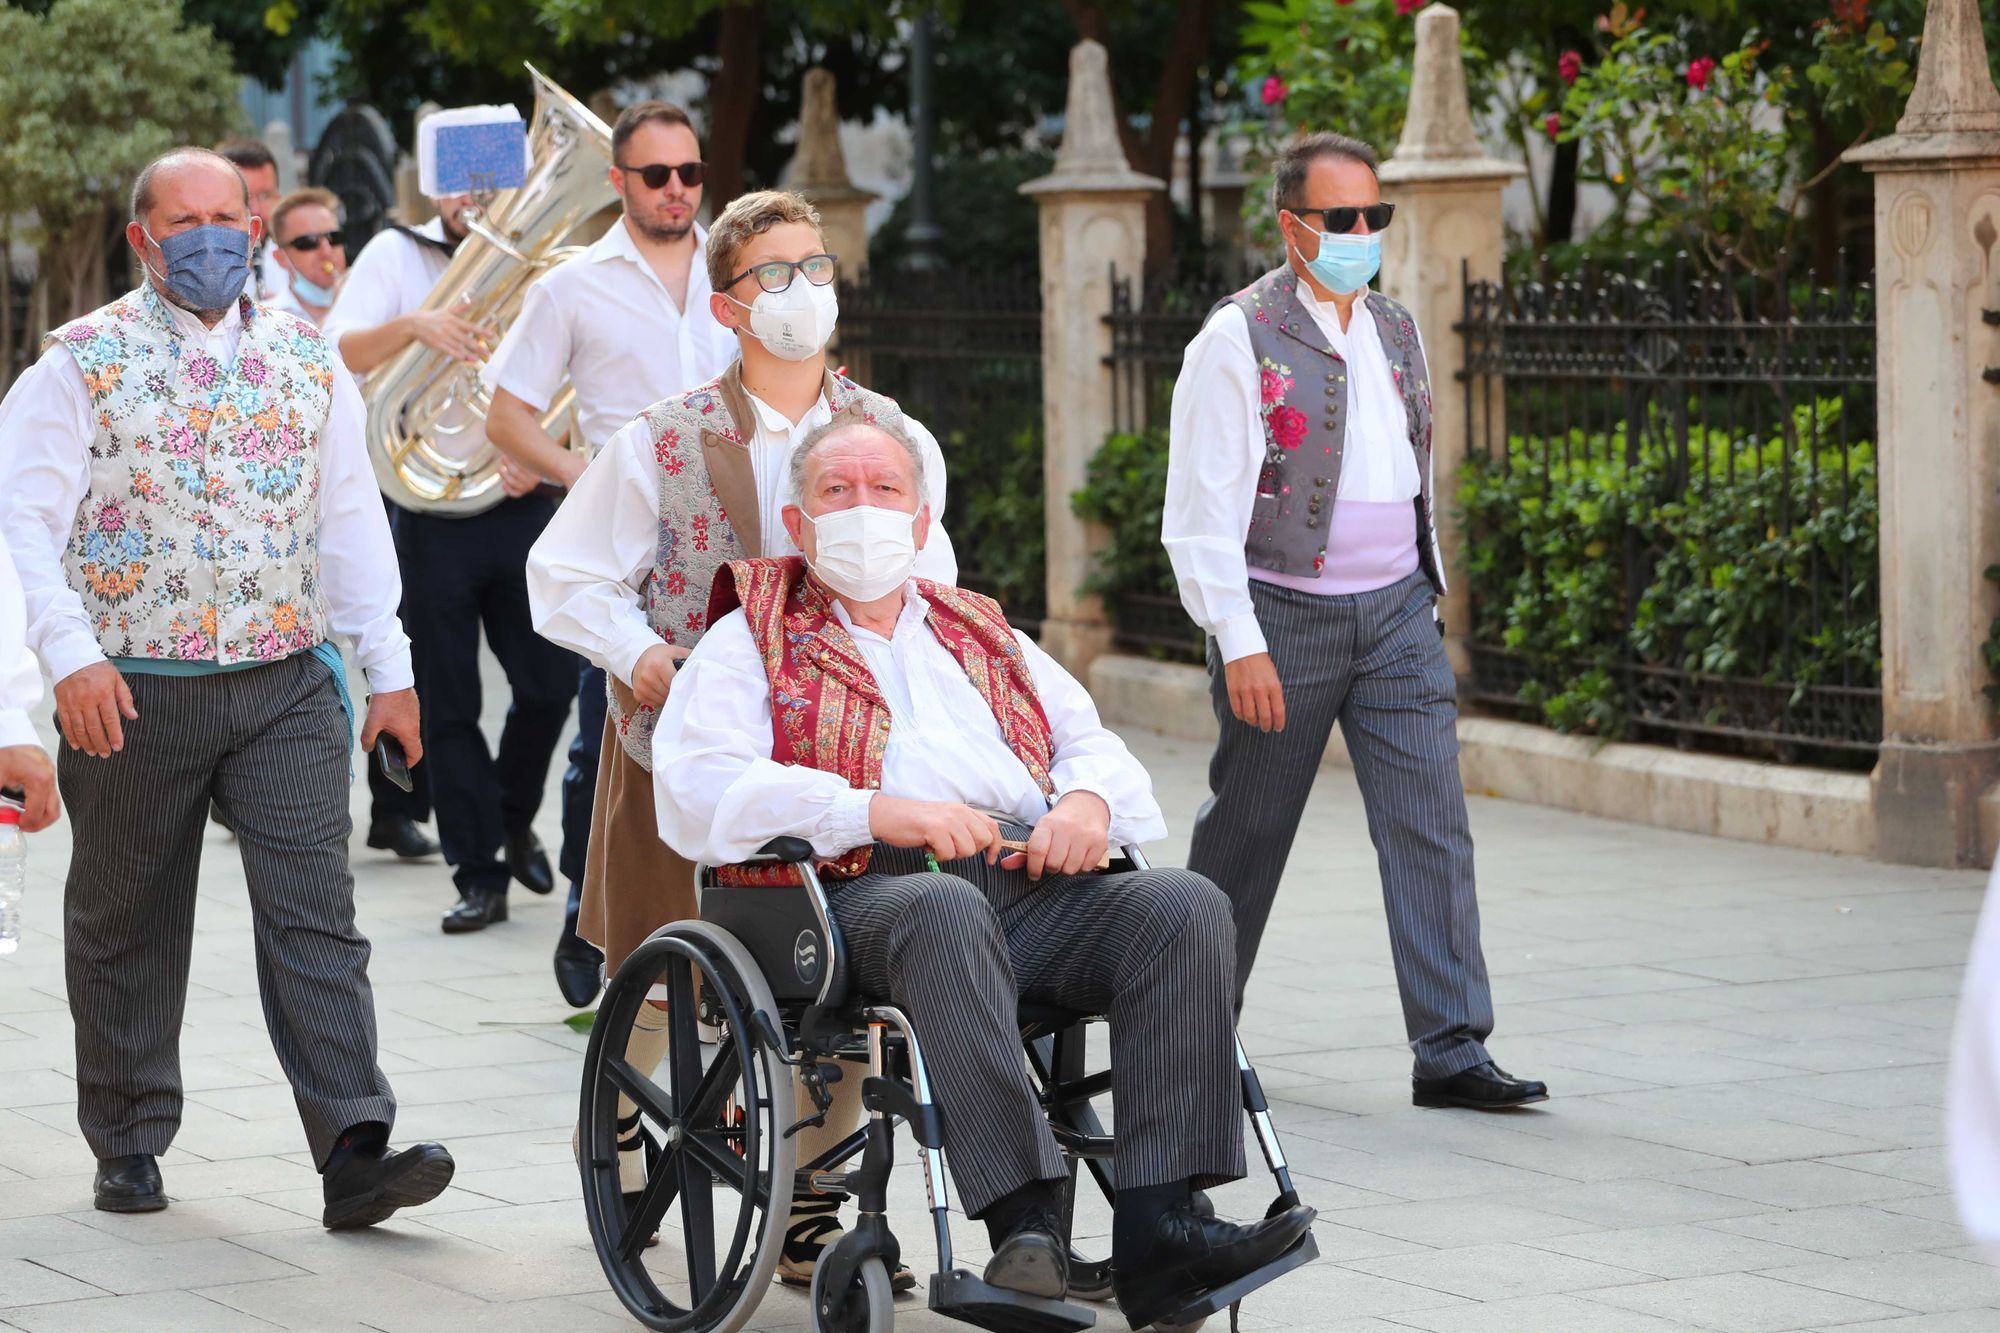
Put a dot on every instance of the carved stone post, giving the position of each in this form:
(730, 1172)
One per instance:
(819, 172)
(1937, 221)
(1093, 217)
(1446, 189)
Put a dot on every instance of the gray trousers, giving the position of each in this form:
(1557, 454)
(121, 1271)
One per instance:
(269, 745)
(1152, 950)
(1375, 663)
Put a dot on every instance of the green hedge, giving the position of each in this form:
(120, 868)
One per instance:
(1730, 554)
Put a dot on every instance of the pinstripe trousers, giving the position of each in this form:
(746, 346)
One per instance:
(1151, 950)
(1373, 662)
(269, 745)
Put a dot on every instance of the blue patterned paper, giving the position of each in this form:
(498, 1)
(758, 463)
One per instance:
(473, 159)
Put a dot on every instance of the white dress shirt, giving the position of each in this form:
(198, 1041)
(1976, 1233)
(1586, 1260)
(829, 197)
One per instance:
(272, 277)
(392, 276)
(720, 796)
(1972, 1085)
(606, 323)
(1215, 452)
(46, 428)
(587, 571)
(20, 681)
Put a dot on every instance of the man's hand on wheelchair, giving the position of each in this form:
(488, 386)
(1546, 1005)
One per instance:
(1071, 838)
(950, 831)
(653, 673)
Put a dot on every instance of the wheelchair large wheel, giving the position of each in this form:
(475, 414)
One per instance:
(871, 1301)
(719, 1175)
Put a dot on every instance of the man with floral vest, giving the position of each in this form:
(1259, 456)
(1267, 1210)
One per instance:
(194, 519)
(1301, 524)
(622, 576)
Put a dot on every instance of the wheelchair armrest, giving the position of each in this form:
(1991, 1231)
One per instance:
(787, 849)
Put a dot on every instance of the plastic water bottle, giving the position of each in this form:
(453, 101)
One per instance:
(13, 875)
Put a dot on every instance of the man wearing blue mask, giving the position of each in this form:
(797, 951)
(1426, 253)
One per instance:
(1300, 522)
(195, 522)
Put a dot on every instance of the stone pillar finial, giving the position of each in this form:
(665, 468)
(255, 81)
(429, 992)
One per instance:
(819, 163)
(1091, 157)
(1440, 119)
(1954, 83)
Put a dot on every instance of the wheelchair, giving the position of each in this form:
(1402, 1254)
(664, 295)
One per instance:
(756, 988)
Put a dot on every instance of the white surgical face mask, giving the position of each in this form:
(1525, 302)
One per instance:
(795, 323)
(865, 552)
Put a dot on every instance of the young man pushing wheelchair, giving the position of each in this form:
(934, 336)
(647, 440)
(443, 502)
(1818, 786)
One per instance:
(879, 718)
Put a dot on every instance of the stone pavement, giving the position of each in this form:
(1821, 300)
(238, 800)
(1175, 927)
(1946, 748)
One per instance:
(1745, 1046)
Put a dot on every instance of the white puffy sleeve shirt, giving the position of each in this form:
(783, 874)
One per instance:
(46, 428)
(20, 682)
(587, 572)
(720, 796)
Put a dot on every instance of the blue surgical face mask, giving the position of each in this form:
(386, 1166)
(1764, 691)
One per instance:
(311, 292)
(1345, 263)
(207, 266)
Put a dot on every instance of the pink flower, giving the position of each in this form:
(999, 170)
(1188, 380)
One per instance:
(1569, 65)
(1405, 8)
(111, 517)
(1270, 385)
(1699, 70)
(254, 369)
(203, 371)
(1288, 426)
(1274, 90)
(1553, 125)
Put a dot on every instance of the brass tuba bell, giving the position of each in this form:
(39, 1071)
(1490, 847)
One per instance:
(427, 411)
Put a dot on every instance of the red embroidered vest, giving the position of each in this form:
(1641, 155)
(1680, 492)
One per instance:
(827, 711)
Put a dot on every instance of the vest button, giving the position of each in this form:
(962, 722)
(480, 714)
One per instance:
(1331, 423)
(1312, 522)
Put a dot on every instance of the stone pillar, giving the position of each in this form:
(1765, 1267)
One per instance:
(412, 208)
(1446, 189)
(1224, 183)
(1093, 217)
(278, 138)
(819, 172)
(1937, 219)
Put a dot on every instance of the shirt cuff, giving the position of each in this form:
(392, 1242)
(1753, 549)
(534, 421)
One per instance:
(16, 729)
(392, 673)
(1240, 636)
(621, 659)
(70, 652)
(846, 824)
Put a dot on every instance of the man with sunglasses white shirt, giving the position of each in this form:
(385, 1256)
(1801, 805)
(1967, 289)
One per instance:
(627, 324)
(307, 242)
(1301, 526)
(622, 575)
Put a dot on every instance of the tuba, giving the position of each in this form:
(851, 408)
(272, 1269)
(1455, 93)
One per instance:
(426, 428)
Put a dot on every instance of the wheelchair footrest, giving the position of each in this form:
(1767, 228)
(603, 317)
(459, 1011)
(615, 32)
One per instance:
(963, 1296)
(1223, 1297)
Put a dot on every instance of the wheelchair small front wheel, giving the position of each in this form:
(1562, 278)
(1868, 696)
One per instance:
(1089, 1280)
(871, 1300)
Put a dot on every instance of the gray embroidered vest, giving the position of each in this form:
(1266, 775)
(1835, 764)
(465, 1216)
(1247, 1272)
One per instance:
(1303, 404)
(708, 514)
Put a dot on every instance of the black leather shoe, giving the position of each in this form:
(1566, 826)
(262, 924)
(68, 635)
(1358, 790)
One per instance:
(1033, 1260)
(1192, 1255)
(129, 1184)
(528, 863)
(368, 1187)
(578, 966)
(476, 909)
(403, 837)
(1484, 1087)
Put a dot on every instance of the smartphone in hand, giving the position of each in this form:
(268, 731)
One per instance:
(389, 758)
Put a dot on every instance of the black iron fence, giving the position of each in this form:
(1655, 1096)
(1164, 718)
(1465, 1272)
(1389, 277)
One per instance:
(1669, 507)
(961, 351)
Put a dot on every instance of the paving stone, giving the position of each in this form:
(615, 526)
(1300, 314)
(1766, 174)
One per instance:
(127, 1268)
(33, 1282)
(151, 1312)
(1541, 1314)
(1497, 1272)
(1739, 1303)
(1679, 1250)
(31, 1237)
(1800, 1184)
(1926, 1283)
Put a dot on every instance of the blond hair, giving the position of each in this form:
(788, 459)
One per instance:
(750, 216)
(312, 196)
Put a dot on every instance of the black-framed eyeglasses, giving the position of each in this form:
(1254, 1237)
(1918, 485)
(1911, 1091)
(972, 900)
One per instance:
(1340, 221)
(776, 275)
(312, 240)
(656, 174)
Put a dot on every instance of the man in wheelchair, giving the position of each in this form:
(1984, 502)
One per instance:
(780, 724)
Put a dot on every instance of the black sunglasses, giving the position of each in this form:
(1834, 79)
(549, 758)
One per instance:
(1341, 220)
(776, 275)
(656, 174)
(312, 240)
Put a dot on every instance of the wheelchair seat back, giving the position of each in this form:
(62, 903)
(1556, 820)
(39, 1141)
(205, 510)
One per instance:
(785, 936)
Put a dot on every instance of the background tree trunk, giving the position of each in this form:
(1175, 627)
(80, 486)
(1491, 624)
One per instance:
(732, 98)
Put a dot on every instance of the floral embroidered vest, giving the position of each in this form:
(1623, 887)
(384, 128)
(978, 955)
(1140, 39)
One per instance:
(827, 711)
(1304, 408)
(708, 514)
(198, 539)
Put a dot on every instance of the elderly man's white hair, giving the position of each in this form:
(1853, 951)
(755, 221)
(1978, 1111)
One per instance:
(837, 428)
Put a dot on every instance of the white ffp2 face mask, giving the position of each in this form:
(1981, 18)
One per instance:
(794, 324)
(865, 552)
